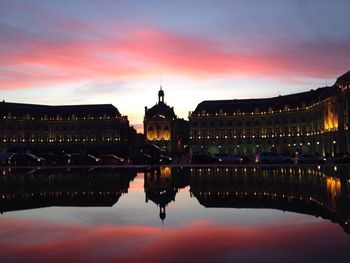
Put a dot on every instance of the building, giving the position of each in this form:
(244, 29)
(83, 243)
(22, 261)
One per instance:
(317, 191)
(162, 184)
(316, 121)
(29, 126)
(163, 128)
(30, 189)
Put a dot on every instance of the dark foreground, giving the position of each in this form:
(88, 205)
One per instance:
(175, 214)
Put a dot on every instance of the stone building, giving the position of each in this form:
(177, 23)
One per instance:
(29, 126)
(316, 121)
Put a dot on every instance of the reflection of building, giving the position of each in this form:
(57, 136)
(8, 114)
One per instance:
(162, 127)
(316, 121)
(27, 189)
(162, 185)
(313, 191)
(35, 126)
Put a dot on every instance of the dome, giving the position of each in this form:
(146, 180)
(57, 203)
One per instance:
(160, 110)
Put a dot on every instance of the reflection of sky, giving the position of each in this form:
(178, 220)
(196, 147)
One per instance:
(203, 241)
(132, 231)
(70, 52)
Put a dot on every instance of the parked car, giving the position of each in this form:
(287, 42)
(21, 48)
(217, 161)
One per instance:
(165, 159)
(63, 158)
(287, 158)
(204, 159)
(50, 159)
(343, 159)
(245, 159)
(25, 159)
(270, 157)
(148, 149)
(138, 159)
(111, 159)
(4, 158)
(308, 158)
(229, 159)
(84, 159)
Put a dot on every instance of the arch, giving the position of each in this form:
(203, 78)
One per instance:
(166, 133)
(150, 133)
(158, 133)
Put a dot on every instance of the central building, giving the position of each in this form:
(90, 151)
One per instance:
(162, 127)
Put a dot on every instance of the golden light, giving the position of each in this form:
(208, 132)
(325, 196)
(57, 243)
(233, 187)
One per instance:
(333, 189)
(330, 121)
(165, 171)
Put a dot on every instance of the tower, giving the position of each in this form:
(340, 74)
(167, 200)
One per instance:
(161, 95)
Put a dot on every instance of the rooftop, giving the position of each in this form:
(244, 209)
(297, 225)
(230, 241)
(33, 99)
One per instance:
(264, 104)
(35, 110)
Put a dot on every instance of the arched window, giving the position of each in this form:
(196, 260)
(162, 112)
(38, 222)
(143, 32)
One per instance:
(166, 133)
(150, 133)
(158, 133)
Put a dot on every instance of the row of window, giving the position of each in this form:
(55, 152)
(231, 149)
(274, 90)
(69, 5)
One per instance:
(250, 123)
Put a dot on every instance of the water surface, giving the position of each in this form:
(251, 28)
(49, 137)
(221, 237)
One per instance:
(182, 214)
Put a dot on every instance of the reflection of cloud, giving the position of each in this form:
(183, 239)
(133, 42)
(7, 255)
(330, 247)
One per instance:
(198, 242)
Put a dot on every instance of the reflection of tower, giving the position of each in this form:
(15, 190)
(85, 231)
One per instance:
(162, 213)
(160, 188)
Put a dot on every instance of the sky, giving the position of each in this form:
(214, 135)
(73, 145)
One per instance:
(120, 52)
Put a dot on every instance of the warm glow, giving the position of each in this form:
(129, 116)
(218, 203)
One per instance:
(165, 171)
(150, 134)
(333, 190)
(158, 134)
(330, 121)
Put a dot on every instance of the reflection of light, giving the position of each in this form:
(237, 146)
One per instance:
(333, 188)
(165, 171)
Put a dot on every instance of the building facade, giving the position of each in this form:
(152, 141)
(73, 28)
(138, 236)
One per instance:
(315, 122)
(29, 126)
(163, 128)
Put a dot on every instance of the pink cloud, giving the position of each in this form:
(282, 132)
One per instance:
(142, 51)
(200, 241)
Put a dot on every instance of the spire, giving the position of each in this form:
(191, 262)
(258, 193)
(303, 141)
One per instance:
(162, 213)
(161, 95)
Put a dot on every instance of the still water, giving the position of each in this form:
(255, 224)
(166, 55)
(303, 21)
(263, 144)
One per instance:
(182, 214)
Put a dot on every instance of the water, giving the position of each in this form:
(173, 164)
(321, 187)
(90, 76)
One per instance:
(204, 214)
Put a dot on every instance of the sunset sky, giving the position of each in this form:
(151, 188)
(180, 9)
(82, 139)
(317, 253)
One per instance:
(119, 52)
